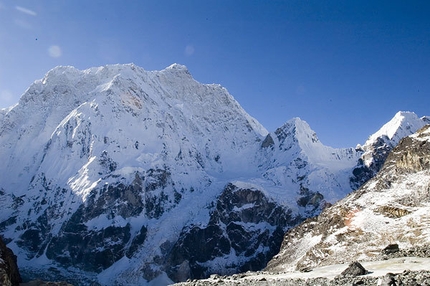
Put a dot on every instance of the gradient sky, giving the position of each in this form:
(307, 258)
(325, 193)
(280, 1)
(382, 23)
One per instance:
(345, 67)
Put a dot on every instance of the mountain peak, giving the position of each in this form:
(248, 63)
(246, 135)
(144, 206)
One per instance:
(380, 144)
(165, 105)
(403, 124)
(300, 129)
(59, 72)
(178, 68)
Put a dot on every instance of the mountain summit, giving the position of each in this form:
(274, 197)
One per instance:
(403, 124)
(118, 175)
(379, 145)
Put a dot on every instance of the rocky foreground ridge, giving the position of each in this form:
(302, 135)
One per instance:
(409, 278)
(391, 267)
(117, 175)
(415, 278)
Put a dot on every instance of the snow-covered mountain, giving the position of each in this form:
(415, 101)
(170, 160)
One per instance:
(390, 209)
(124, 176)
(380, 144)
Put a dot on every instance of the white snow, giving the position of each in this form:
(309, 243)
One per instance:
(401, 125)
(79, 130)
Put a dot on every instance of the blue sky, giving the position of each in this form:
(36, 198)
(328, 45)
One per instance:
(345, 67)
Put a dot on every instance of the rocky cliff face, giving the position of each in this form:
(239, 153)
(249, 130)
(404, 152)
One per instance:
(9, 273)
(391, 208)
(121, 175)
(244, 231)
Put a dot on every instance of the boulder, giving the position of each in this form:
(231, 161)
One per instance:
(391, 248)
(354, 269)
(387, 280)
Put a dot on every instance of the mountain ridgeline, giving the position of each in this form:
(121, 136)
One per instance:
(117, 175)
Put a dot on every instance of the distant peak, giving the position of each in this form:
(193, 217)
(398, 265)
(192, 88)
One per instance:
(296, 122)
(59, 74)
(299, 128)
(405, 115)
(177, 67)
(177, 70)
(62, 70)
(404, 123)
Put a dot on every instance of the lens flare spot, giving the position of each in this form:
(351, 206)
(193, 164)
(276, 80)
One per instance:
(54, 51)
(189, 50)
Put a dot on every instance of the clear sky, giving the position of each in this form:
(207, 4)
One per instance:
(345, 67)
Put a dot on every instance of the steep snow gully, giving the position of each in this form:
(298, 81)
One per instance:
(120, 176)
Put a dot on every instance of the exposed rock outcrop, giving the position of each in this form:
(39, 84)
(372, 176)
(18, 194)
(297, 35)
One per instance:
(390, 249)
(244, 222)
(9, 273)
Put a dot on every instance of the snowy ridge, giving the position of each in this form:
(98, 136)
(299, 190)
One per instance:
(401, 125)
(379, 145)
(80, 94)
(296, 159)
(319, 154)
